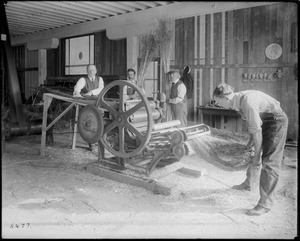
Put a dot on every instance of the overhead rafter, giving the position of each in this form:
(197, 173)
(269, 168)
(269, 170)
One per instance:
(35, 16)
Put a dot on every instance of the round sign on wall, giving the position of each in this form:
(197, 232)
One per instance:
(273, 51)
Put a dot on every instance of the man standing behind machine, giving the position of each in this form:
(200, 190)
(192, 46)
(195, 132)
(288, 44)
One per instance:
(130, 78)
(90, 85)
(178, 98)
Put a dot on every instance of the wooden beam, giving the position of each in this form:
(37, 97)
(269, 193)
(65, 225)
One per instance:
(39, 20)
(34, 11)
(136, 5)
(120, 6)
(151, 185)
(175, 11)
(149, 4)
(109, 9)
(91, 8)
(162, 3)
(43, 44)
(51, 8)
(66, 6)
(40, 17)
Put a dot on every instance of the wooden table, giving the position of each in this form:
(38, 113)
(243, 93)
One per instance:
(222, 112)
(74, 102)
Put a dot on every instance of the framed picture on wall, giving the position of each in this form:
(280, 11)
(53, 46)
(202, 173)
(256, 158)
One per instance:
(79, 53)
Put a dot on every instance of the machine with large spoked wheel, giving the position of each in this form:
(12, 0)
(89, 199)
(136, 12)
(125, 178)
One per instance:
(133, 131)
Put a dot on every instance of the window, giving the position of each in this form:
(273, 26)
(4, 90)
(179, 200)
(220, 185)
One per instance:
(79, 53)
(151, 84)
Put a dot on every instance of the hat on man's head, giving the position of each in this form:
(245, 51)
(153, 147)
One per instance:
(173, 71)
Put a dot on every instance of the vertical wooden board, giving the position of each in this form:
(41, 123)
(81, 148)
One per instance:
(246, 52)
(240, 35)
(217, 39)
(226, 38)
(266, 29)
(271, 33)
(286, 32)
(118, 57)
(61, 60)
(196, 41)
(31, 59)
(205, 86)
(52, 64)
(178, 41)
(262, 33)
(229, 39)
(31, 82)
(293, 55)
(197, 47)
(195, 90)
(232, 73)
(185, 40)
(254, 35)
(207, 38)
(202, 32)
(189, 47)
(199, 91)
(97, 44)
(238, 78)
(237, 36)
(102, 59)
(217, 78)
(246, 45)
(279, 27)
(246, 23)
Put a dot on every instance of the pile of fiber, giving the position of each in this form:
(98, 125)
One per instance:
(225, 149)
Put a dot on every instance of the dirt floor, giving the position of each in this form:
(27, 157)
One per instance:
(55, 196)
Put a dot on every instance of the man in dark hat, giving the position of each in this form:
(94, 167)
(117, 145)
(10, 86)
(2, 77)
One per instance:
(178, 98)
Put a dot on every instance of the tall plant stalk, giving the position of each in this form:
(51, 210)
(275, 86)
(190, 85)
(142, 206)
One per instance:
(158, 39)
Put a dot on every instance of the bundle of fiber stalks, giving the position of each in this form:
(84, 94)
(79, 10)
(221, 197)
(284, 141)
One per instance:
(224, 149)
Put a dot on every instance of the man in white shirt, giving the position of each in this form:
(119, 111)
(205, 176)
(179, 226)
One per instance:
(267, 125)
(90, 85)
(178, 98)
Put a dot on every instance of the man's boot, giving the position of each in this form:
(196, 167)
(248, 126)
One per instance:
(253, 174)
(93, 148)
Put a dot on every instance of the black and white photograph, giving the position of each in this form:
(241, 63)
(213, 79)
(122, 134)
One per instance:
(149, 119)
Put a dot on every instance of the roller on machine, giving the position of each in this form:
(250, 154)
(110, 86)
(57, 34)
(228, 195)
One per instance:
(134, 131)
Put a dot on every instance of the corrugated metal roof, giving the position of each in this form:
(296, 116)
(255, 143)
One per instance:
(27, 17)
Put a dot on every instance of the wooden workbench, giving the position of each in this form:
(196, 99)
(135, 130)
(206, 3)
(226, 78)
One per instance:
(74, 102)
(216, 118)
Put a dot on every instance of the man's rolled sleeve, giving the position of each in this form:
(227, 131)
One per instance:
(79, 86)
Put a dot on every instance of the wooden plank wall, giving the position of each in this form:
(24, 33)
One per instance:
(20, 65)
(110, 55)
(223, 47)
(31, 72)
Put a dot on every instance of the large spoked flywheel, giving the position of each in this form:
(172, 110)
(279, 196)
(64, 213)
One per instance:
(121, 124)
